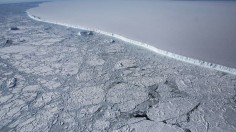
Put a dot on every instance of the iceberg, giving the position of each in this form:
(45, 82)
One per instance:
(201, 50)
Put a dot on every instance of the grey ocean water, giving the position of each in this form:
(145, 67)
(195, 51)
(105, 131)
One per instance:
(204, 30)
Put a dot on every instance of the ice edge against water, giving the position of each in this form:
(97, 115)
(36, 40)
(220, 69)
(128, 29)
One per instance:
(149, 47)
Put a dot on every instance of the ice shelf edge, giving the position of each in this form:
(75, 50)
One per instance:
(149, 47)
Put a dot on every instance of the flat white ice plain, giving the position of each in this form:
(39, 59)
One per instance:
(203, 30)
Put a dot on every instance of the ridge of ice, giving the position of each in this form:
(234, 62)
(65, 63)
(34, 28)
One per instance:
(149, 47)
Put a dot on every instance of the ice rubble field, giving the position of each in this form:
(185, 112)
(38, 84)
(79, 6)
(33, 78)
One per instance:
(204, 30)
(52, 79)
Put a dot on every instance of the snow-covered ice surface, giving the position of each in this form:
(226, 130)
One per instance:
(52, 79)
(203, 30)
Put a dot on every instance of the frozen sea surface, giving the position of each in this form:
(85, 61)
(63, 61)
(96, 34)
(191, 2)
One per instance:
(204, 30)
(52, 79)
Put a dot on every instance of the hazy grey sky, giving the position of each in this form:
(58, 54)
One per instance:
(18, 1)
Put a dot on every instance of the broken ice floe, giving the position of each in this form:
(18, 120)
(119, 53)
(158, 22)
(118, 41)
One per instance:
(173, 108)
(126, 96)
(145, 125)
(8, 41)
(85, 33)
(110, 41)
(14, 28)
(11, 82)
(125, 63)
(86, 96)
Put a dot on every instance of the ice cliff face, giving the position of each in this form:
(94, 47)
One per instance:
(196, 29)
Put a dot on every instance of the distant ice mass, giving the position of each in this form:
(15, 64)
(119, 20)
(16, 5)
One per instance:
(20, 1)
(204, 30)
